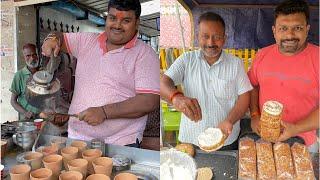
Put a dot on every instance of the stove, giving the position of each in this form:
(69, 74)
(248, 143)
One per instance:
(8, 129)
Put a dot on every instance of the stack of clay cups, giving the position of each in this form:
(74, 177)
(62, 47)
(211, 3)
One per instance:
(33, 159)
(71, 175)
(54, 163)
(125, 176)
(81, 145)
(20, 172)
(102, 165)
(270, 121)
(41, 174)
(80, 165)
(59, 143)
(48, 150)
(98, 177)
(90, 155)
(91, 162)
(69, 153)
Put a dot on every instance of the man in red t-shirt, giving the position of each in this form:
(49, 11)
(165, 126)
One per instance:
(288, 72)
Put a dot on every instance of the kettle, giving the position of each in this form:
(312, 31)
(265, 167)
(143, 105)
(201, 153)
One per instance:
(43, 88)
(25, 136)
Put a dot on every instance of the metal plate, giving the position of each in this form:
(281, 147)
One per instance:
(35, 89)
(222, 163)
(141, 175)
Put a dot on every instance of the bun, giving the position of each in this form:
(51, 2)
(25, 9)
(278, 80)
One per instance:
(204, 174)
(211, 139)
(186, 148)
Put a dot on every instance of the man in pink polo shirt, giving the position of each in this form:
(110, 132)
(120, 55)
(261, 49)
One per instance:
(288, 72)
(116, 78)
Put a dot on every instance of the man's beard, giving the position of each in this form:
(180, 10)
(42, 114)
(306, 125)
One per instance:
(291, 48)
(33, 64)
(214, 51)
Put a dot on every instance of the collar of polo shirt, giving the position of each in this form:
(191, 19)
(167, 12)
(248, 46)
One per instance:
(103, 38)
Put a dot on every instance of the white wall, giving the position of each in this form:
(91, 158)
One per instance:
(22, 30)
(26, 30)
(8, 64)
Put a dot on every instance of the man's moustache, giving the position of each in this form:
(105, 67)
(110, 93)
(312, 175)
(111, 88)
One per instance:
(286, 40)
(117, 29)
(211, 47)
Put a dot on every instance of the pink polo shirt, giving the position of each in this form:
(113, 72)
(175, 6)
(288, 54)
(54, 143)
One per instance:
(290, 80)
(104, 77)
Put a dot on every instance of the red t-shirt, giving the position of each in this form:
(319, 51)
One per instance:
(290, 80)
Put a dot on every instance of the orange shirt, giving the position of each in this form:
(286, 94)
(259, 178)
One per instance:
(290, 80)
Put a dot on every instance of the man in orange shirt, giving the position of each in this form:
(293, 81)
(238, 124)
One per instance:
(288, 72)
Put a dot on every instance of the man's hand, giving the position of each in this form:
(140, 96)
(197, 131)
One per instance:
(44, 115)
(50, 45)
(189, 106)
(226, 127)
(93, 116)
(255, 124)
(28, 115)
(60, 119)
(288, 131)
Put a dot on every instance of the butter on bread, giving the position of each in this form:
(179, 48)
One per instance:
(211, 139)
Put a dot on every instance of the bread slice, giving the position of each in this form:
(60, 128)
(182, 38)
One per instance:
(283, 161)
(186, 148)
(302, 162)
(204, 173)
(265, 161)
(211, 139)
(247, 168)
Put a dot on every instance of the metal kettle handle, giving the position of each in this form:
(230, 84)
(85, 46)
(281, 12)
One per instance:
(14, 138)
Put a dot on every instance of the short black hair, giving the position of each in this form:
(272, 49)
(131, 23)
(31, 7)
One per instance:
(126, 5)
(291, 7)
(211, 16)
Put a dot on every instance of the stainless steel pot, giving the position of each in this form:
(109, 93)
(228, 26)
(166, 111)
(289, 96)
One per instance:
(43, 96)
(25, 136)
